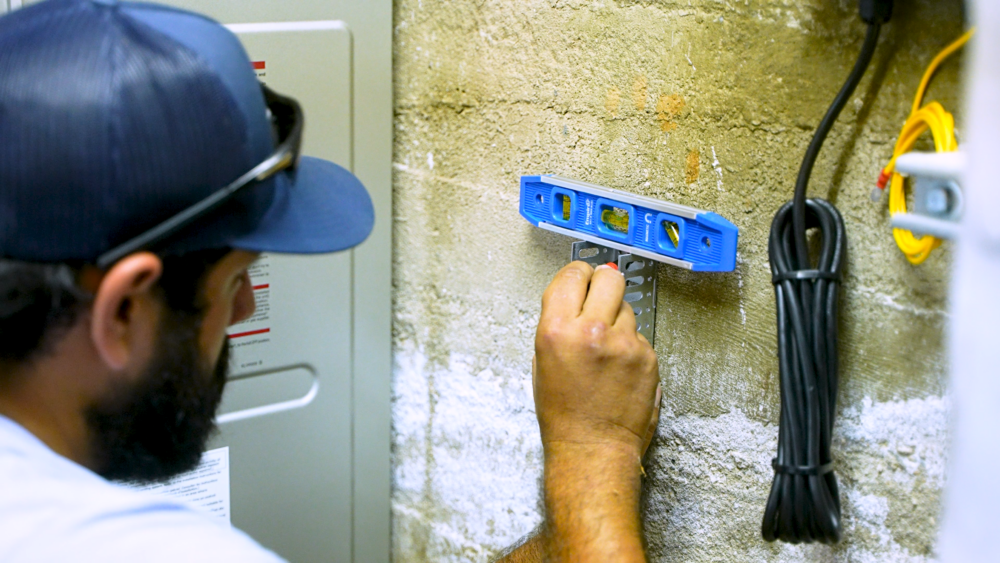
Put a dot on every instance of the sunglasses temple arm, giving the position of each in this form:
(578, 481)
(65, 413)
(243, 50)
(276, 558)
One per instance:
(167, 228)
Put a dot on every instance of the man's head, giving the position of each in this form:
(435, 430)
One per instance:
(155, 424)
(140, 350)
(143, 128)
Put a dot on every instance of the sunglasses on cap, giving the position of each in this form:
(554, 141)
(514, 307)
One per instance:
(287, 120)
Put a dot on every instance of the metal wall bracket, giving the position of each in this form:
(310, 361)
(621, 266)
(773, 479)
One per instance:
(937, 195)
(640, 280)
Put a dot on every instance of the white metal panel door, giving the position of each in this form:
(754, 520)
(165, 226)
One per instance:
(291, 471)
(358, 469)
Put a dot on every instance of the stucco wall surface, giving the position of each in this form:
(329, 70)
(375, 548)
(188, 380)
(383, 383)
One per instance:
(709, 103)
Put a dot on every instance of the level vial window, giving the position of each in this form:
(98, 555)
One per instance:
(567, 206)
(673, 232)
(616, 219)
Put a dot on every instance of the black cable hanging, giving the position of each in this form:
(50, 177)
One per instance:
(804, 504)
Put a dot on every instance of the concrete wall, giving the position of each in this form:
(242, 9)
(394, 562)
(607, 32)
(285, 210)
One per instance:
(709, 103)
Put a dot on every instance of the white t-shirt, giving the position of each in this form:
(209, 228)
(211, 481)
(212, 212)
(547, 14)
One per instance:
(54, 510)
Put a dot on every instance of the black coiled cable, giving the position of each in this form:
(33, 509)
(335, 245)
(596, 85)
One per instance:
(804, 504)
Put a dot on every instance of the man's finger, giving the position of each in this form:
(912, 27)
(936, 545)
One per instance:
(565, 295)
(643, 339)
(626, 318)
(607, 288)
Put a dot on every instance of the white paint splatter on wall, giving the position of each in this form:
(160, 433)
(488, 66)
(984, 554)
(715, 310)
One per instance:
(467, 460)
(718, 168)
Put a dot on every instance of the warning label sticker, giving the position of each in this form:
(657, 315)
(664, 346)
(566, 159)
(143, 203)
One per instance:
(249, 337)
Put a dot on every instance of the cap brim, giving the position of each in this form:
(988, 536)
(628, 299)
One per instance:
(322, 208)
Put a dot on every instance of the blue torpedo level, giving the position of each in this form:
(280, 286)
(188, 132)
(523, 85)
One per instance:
(666, 232)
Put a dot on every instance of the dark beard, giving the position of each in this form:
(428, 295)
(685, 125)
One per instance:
(158, 427)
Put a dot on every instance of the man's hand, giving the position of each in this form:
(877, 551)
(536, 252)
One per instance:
(597, 400)
(594, 376)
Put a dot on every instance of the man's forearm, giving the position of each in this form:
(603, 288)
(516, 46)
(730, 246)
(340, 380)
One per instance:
(530, 550)
(595, 382)
(592, 503)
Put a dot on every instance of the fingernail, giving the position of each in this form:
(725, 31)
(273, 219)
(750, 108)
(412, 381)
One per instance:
(608, 266)
(659, 394)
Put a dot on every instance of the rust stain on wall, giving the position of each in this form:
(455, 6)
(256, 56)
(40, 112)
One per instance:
(692, 166)
(667, 110)
(640, 89)
(612, 101)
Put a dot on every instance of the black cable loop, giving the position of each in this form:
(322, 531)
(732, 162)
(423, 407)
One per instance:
(804, 504)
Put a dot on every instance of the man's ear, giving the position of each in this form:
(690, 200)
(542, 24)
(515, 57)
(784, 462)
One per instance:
(125, 311)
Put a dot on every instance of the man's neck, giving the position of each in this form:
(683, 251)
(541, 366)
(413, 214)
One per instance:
(46, 397)
(62, 436)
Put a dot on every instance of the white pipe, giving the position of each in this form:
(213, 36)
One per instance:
(970, 526)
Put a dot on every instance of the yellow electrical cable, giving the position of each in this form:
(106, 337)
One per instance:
(941, 124)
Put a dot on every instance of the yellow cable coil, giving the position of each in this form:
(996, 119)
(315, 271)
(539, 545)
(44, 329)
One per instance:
(942, 127)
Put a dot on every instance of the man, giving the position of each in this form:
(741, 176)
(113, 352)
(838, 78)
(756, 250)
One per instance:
(142, 170)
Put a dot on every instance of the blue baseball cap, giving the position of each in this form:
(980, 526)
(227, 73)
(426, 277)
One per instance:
(115, 116)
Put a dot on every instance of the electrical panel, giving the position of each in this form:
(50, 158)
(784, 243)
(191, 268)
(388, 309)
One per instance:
(310, 474)
(299, 470)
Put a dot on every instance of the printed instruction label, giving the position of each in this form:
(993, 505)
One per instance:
(205, 488)
(260, 68)
(250, 338)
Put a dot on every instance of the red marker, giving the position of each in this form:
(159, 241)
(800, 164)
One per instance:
(613, 265)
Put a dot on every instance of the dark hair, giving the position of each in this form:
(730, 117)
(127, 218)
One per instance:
(40, 301)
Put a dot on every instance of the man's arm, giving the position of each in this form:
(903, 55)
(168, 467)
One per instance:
(532, 548)
(529, 549)
(596, 389)
(592, 504)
